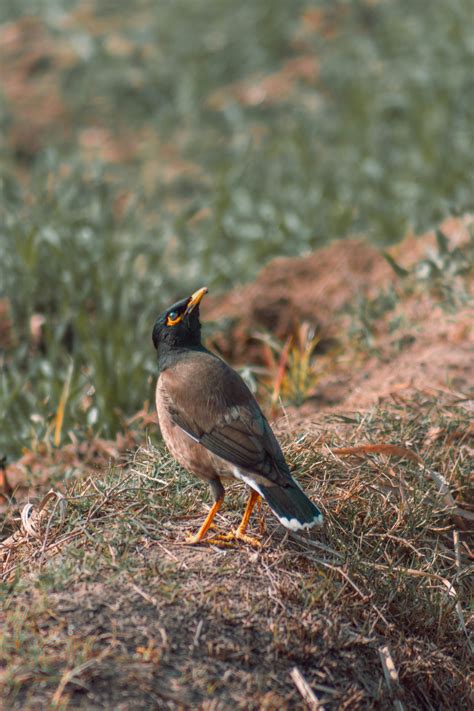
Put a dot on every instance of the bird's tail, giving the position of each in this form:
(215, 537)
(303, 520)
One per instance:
(291, 506)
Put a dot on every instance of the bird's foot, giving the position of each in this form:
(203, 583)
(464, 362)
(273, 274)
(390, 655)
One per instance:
(237, 536)
(223, 540)
(194, 538)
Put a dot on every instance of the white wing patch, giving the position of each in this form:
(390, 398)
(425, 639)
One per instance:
(247, 480)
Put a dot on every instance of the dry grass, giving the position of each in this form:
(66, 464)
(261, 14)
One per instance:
(109, 609)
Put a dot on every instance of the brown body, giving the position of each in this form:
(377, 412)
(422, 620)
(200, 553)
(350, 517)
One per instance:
(226, 406)
(190, 454)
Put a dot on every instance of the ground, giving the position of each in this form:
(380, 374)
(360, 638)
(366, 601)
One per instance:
(366, 369)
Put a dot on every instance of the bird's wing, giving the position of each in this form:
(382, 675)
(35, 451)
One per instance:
(211, 403)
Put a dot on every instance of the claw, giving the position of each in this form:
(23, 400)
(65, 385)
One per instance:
(221, 541)
(194, 539)
(235, 536)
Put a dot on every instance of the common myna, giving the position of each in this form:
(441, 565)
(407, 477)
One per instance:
(214, 427)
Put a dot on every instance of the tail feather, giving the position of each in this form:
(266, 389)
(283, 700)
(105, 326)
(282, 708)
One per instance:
(291, 506)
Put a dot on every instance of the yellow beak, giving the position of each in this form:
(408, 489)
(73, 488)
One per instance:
(196, 298)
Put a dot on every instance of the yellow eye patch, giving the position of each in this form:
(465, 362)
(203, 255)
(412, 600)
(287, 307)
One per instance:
(173, 318)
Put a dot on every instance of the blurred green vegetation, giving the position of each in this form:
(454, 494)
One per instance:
(173, 144)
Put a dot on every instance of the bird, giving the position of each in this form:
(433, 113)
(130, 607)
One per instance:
(214, 427)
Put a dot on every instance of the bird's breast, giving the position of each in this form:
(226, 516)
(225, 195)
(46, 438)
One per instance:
(188, 453)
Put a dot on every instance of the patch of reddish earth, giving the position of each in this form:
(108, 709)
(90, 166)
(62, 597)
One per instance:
(314, 288)
(434, 350)
(436, 363)
(290, 290)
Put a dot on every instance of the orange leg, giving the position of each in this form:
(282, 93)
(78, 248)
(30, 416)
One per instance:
(254, 498)
(261, 517)
(197, 538)
(239, 534)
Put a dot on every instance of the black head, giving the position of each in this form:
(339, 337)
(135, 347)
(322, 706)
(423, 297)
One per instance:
(179, 326)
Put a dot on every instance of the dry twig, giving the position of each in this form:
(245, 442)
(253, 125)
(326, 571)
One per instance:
(305, 690)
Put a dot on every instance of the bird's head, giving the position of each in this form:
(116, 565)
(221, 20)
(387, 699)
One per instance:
(179, 325)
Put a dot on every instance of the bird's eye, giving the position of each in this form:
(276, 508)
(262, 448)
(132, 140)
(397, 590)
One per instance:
(173, 318)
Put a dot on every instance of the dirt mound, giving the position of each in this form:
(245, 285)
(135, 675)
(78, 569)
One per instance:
(438, 361)
(314, 288)
(413, 337)
(291, 290)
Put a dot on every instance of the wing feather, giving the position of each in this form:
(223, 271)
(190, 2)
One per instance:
(231, 423)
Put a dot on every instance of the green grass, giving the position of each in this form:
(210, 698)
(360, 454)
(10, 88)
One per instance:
(198, 192)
